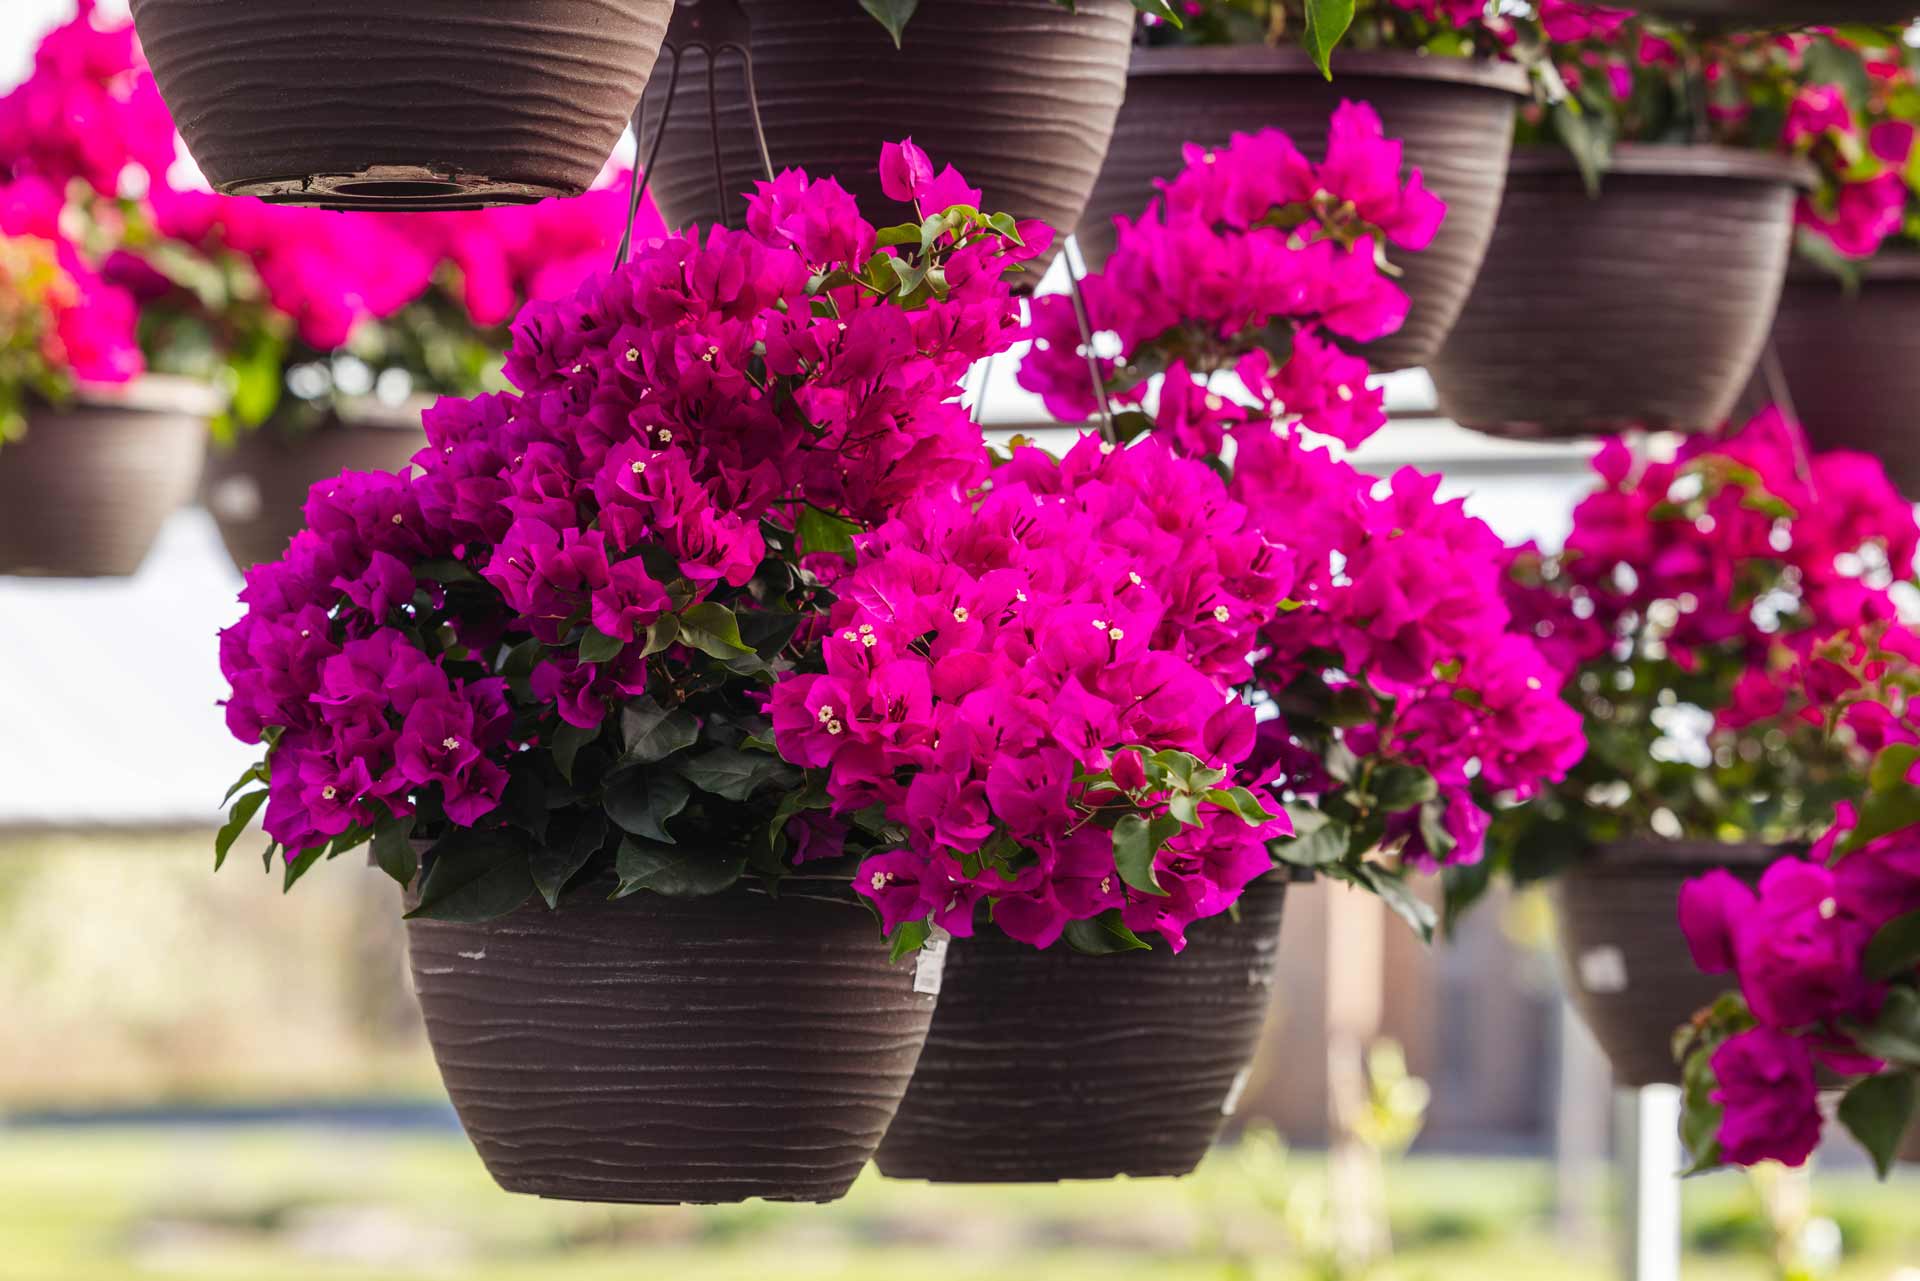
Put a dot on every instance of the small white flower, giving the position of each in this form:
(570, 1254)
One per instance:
(960, 614)
(1106, 885)
(329, 791)
(1829, 908)
(881, 879)
(1133, 577)
(666, 437)
(1215, 403)
(638, 467)
(1100, 624)
(849, 635)
(869, 641)
(866, 629)
(835, 727)
(633, 354)
(1343, 391)
(450, 744)
(1116, 633)
(826, 713)
(1107, 447)
(396, 518)
(1221, 613)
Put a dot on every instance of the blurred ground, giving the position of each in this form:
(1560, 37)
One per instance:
(307, 1205)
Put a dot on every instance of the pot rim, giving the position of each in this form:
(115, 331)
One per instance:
(1654, 854)
(1890, 266)
(154, 394)
(1681, 160)
(1375, 64)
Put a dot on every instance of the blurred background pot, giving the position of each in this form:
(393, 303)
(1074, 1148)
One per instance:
(1646, 306)
(430, 104)
(1851, 359)
(663, 1051)
(1019, 95)
(256, 485)
(1629, 971)
(1050, 1065)
(85, 494)
(1453, 115)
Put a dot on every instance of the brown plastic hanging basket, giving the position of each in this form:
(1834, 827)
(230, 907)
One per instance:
(1629, 971)
(423, 105)
(1454, 117)
(1646, 306)
(256, 486)
(663, 1051)
(1019, 95)
(1851, 359)
(85, 494)
(1051, 1065)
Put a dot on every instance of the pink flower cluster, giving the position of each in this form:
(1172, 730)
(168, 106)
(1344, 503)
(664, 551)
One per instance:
(668, 415)
(1861, 149)
(1001, 675)
(1749, 545)
(1798, 945)
(1248, 236)
(1401, 618)
(83, 326)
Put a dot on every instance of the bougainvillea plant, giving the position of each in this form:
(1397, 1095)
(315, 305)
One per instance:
(1854, 115)
(1445, 28)
(270, 300)
(1826, 951)
(894, 15)
(1691, 615)
(1396, 699)
(547, 652)
(1028, 699)
(60, 324)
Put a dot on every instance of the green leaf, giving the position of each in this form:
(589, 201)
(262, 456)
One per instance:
(733, 774)
(1243, 803)
(1591, 151)
(1327, 23)
(893, 15)
(1395, 891)
(675, 872)
(475, 876)
(713, 630)
(909, 937)
(1184, 808)
(573, 838)
(663, 635)
(1700, 1116)
(820, 531)
(642, 798)
(598, 647)
(1877, 1111)
(1104, 935)
(1401, 787)
(444, 572)
(1433, 829)
(1136, 843)
(1895, 950)
(238, 819)
(1895, 1035)
(1883, 813)
(653, 733)
(393, 849)
(1319, 842)
(258, 774)
(299, 865)
(568, 740)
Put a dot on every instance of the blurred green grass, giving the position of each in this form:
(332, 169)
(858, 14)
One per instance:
(294, 1204)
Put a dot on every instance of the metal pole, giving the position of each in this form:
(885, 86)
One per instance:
(1650, 1161)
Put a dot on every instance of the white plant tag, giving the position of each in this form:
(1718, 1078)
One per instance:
(1603, 970)
(931, 966)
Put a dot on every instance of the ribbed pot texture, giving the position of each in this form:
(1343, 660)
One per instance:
(1852, 361)
(427, 104)
(1053, 1065)
(656, 1051)
(1454, 117)
(256, 487)
(1019, 95)
(86, 493)
(1648, 306)
(1628, 968)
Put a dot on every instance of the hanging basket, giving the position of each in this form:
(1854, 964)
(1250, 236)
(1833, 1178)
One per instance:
(656, 1051)
(1019, 95)
(256, 486)
(85, 494)
(1851, 362)
(1629, 971)
(1647, 306)
(1054, 1065)
(424, 105)
(1454, 117)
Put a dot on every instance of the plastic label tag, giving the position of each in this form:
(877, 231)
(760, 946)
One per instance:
(931, 967)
